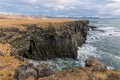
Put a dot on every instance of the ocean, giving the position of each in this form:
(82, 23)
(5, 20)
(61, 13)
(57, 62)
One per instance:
(103, 44)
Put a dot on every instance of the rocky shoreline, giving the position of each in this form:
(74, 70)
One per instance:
(53, 40)
(44, 41)
(93, 70)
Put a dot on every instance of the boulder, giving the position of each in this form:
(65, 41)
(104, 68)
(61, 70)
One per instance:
(91, 62)
(45, 70)
(95, 64)
(25, 71)
(100, 68)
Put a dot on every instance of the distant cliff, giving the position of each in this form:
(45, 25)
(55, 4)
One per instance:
(49, 41)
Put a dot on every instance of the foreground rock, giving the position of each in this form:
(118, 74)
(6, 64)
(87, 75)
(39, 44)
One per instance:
(48, 41)
(94, 70)
(95, 65)
(24, 72)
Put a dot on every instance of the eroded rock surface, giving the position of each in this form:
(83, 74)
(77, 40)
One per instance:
(24, 72)
(86, 73)
(49, 41)
(46, 72)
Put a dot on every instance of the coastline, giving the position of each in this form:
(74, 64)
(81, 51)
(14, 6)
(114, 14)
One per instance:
(8, 50)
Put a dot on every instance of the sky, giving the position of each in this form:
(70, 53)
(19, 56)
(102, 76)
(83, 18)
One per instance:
(97, 8)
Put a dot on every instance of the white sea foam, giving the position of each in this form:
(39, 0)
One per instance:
(107, 28)
(86, 51)
(102, 33)
(110, 31)
(109, 67)
(117, 57)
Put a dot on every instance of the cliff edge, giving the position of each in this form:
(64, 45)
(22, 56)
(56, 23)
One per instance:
(41, 39)
(46, 40)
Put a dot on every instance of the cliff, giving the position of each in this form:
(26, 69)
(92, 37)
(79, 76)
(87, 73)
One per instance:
(46, 41)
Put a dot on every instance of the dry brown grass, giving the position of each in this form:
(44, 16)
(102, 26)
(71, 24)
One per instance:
(6, 23)
(8, 63)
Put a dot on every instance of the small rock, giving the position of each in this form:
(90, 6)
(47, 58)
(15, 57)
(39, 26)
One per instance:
(25, 71)
(95, 64)
(1, 53)
(91, 62)
(100, 68)
(45, 70)
(113, 77)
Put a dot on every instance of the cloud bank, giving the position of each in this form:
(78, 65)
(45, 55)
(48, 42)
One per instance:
(103, 8)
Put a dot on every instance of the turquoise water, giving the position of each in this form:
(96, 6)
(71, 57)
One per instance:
(107, 43)
(103, 45)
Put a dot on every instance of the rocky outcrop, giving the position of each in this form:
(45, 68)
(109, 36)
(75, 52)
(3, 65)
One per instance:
(94, 70)
(86, 73)
(49, 41)
(24, 72)
(58, 42)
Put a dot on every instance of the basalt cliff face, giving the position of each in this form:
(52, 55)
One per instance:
(58, 42)
(43, 40)
(49, 41)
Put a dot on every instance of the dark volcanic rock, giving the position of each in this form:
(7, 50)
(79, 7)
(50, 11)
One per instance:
(45, 70)
(60, 42)
(23, 72)
(53, 40)
(92, 27)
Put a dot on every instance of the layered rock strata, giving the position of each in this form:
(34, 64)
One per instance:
(49, 41)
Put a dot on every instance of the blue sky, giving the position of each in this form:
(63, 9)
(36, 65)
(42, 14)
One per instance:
(102, 8)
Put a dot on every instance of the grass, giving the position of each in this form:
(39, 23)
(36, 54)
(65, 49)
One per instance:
(13, 22)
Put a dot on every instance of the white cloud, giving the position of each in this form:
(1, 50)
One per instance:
(112, 8)
(31, 1)
(64, 4)
(68, 7)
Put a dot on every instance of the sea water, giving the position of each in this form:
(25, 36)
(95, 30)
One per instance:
(103, 44)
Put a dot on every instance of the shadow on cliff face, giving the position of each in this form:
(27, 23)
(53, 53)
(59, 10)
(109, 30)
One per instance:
(62, 42)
